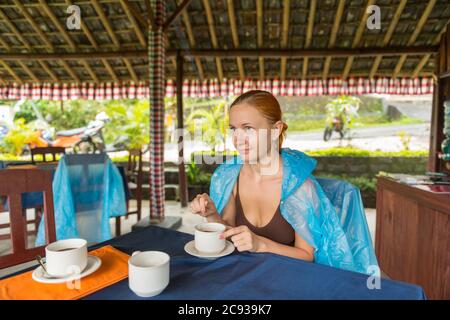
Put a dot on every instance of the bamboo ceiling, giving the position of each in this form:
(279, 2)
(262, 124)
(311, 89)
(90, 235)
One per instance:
(290, 39)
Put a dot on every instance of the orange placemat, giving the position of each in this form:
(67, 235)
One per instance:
(113, 269)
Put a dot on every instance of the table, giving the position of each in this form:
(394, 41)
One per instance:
(245, 276)
(248, 276)
(412, 235)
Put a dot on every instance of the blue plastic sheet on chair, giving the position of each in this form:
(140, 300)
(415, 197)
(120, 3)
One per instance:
(346, 199)
(87, 191)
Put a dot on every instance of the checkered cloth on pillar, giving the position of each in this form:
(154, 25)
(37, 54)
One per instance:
(156, 49)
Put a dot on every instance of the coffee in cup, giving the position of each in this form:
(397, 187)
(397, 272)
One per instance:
(207, 237)
(66, 257)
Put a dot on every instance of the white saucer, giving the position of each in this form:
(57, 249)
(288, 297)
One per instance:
(93, 263)
(190, 248)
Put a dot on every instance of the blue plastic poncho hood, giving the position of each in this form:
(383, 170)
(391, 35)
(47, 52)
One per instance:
(309, 211)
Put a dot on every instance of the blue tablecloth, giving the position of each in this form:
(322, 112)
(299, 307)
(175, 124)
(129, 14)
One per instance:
(246, 275)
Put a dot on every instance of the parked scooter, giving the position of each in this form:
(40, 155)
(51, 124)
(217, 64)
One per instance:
(87, 139)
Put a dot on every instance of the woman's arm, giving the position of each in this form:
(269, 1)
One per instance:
(228, 217)
(302, 250)
(245, 240)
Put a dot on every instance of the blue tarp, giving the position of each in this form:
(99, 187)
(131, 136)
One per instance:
(87, 191)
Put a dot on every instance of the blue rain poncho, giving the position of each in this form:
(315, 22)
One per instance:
(338, 231)
(87, 191)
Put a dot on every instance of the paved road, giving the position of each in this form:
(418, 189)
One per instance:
(417, 130)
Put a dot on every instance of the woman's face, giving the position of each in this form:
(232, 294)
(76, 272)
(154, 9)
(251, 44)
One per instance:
(252, 132)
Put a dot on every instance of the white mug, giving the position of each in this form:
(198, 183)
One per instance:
(148, 272)
(66, 257)
(207, 237)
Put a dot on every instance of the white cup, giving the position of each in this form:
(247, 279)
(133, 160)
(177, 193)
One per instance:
(66, 257)
(148, 272)
(207, 237)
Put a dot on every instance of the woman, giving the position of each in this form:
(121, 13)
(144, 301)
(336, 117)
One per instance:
(269, 200)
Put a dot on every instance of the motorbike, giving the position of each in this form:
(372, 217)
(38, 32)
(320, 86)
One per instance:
(337, 124)
(88, 139)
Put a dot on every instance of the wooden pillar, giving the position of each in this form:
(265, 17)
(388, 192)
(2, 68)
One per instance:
(182, 182)
(441, 93)
(157, 83)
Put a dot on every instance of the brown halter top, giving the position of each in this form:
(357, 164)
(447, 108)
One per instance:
(278, 229)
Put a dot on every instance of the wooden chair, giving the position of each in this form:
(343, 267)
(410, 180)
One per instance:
(13, 183)
(43, 151)
(134, 177)
(53, 151)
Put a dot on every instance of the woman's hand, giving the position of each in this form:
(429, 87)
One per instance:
(203, 205)
(244, 239)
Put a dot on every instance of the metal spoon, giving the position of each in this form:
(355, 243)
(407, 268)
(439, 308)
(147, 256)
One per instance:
(45, 273)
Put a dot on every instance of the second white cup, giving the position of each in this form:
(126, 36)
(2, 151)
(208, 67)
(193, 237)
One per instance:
(148, 272)
(207, 237)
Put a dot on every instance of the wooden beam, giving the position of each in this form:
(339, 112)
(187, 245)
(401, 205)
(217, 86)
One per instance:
(230, 53)
(136, 14)
(70, 71)
(415, 34)
(426, 57)
(285, 35)
(209, 18)
(150, 15)
(22, 39)
(44, 38)
(4, 18)
(260, 34)
(234, 35)
(31, 21)
(4, 44)
(176, 14)
(333, 35)
(49, 71)
(126, 7)
(309, 32)
(388, 36)
(357, 39)
(93, 42)
(131, 70)
(191, 39)
(105, 22)
(66, 36)
(58, 25)
(180, 125)
(90, 71)
(29, 72)
(110, 70)
(11, 71)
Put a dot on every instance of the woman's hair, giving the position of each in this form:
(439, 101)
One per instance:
(267, 104)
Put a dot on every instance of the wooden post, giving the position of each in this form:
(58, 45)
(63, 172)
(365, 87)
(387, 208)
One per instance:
(182, 182)
(157, 83)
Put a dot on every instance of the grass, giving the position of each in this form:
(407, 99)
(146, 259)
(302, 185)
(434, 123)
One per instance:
(361, 122)
(356, 152)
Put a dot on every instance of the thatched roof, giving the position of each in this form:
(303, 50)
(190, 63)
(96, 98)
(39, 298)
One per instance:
(36, 46)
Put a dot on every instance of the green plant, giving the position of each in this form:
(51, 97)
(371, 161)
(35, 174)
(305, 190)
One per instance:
(345, 107)
(195, 176)
(213, 124)
(18, 137)
(405, 138)
(356, 152)
(365, 184)
(129, 118)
